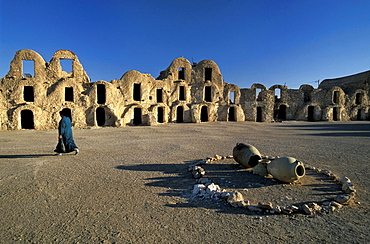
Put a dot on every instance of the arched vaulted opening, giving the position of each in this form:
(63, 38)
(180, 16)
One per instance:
(180, 114)
(137, 116)
(27, 121)
(259, 115)
(336, 114)
(282, 112)
(232, 116)
(160, 115)
(204, 114)
(100, 116)
(311, 113)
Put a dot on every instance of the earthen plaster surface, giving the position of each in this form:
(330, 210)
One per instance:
(184, 92)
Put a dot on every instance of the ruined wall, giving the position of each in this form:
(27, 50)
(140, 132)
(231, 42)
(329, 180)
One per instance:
(38, 97)
(184, 92)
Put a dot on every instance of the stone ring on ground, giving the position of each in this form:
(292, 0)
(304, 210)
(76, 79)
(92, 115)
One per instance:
(221, 178)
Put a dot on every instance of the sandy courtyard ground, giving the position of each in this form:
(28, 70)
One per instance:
(131, 185)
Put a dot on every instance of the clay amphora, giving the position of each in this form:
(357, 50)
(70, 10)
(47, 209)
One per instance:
(286, 169)
(246, 155)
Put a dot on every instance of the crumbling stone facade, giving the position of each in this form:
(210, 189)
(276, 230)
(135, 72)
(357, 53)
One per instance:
(184, 92)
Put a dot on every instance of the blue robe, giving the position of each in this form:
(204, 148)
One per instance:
(65, 130)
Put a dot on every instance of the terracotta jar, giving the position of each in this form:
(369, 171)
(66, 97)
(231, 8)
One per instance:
(286, 169)
(246, 155)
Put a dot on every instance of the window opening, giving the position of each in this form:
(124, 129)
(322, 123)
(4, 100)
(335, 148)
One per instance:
(277, 94)
(232, 114)
(28, 68)
(100, 116)
(208, 93)
(311, 113)
(180, 114)
(336, 97)
(160, 117)
(68, 94)
(159, 95)
(137, 92)
(259, 114)
(307, 97)
(182, 93)
(181, 73)
(358, 98)
(67, 65)
(208, 74)
(258, 94)
(27, 119)
(137, 116)
(28, 94)
(204, 114)
(232, 97)
(101, 94)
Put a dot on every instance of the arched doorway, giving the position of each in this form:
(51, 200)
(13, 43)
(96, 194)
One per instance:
(336, 114)
(204, 114)
(311, 113)
(27, 119)
(359, 114)
(160, 115)
(100, 116)
(282, 112)
(137, 116)
(231, 114)
(180, 114)
(259, 114)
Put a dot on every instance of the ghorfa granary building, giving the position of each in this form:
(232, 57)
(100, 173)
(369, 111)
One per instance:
(184, 92)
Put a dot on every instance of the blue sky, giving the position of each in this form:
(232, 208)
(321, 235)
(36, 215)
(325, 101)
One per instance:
(290, 42)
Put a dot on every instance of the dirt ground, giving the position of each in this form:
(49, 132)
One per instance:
(131, 184)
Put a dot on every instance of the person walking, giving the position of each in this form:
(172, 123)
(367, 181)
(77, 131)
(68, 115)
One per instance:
(65, 135)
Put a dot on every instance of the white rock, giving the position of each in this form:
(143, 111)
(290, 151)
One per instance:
(218, 157)
(344, 180)
(265, 205)
(198, 188)
(315, 206)
(235, 199)
(277, 209)
(336, 205)
(343, 199)
(293, 207)
(307, 209)
(224, 195)
(348, 187)
(326, 172)
(212, 188)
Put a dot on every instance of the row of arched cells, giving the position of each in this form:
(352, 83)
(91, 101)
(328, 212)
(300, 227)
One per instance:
(27, 116)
